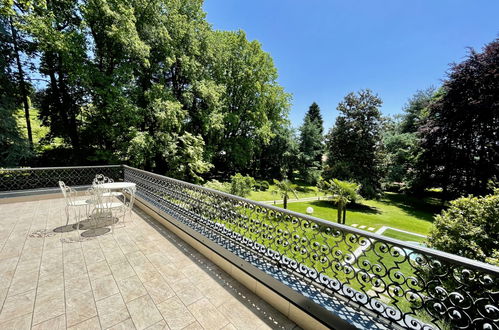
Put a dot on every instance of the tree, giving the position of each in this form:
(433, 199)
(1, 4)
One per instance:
(460, 136)
(284, 189)
(311, 145)
(401, 140)
(343, 192)
(13, 147)
(353, 145)
(469, 228)
(253, 105)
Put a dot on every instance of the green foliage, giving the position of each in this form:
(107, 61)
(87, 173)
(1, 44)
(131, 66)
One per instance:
(459, 136)
(284, 189)
(354, 143)
(469, 228)
(311, 145)
(262, 185)
(343, 192)
(217, 185)
(241, 185)
(14, 147)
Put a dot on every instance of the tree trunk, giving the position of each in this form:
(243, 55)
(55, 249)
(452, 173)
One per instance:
(24, 92)
(344, 214)
(340, 209)
(285, 201)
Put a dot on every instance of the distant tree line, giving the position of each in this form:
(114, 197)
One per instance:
(153, 85)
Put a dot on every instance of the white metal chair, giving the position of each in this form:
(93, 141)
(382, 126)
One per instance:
(101, 179)
(109, 206)
(73, 202)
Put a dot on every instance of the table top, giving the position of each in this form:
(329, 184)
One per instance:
(117, 185)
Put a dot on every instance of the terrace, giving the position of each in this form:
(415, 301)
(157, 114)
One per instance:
(191, 257)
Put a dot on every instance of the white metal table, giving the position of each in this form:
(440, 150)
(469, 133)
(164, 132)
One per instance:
(117, 185)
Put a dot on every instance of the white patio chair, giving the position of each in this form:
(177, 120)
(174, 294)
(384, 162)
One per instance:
(72, 201)
(101, 179)
(112, 207)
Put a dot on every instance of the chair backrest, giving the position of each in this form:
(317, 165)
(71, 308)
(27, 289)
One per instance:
(100, 179)
(129, 197)
(68, 192)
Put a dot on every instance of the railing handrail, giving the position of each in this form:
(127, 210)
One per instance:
(455, 259)
(56, 167)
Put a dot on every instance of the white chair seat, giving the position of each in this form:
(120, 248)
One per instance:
(79, 203)
(112, 205)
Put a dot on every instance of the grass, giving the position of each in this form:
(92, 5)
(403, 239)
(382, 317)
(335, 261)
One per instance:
(268, 196)
(403, 236)
(393, 210)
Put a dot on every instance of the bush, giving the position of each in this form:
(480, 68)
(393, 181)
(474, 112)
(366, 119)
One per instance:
(262, 185)
(469, 228)
(241, 185)
(217, 185)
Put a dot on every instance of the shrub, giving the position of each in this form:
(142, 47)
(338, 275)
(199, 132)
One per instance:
(241, 185)
(217, 185)
(469, 228)
(262, 185)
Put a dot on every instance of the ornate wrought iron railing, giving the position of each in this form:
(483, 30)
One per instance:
(12, 179)
(405, 285)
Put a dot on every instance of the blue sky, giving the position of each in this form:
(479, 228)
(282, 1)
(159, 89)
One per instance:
(323, 49)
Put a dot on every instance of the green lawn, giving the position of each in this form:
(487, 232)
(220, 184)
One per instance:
(403, 236)
(268, 196)
(394, 210)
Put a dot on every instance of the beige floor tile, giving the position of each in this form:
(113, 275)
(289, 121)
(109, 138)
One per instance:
(125, 325)
(19, 323)
(171, 272)
(17, 305)
(161, 325)
(215, 292)
(122, 270)
(175, 313)
(80, 307)
(131, 288)
(104, 287)
(98, 269)
(112, 310)
(146, 272)
(159, 290)
(186, 291)
(23, 282)
(195, 326)
(89, 324)
(229, 327)
(74, 286)
(93, 256)
(241, 315)
(74, 270)
(57, 323)
(207, 315)
(143, 312)
(46, 309)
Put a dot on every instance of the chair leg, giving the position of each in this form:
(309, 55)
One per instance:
(67, 214)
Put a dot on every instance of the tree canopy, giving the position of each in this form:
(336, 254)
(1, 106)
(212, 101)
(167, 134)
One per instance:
(353, 145)
(460, 136)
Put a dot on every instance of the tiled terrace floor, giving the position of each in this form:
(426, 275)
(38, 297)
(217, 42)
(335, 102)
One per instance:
(139, 277)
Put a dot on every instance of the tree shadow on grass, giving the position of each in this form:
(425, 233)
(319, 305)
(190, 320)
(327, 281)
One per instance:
(350, 207)
(421, 208)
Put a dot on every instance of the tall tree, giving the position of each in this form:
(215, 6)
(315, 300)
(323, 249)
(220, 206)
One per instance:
(13, 147)
(460, 139)
(285, 189)
(401, 140)
(311, 145)
(353, 145)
